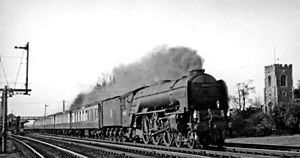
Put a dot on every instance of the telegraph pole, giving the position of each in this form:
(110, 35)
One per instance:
(64, 106)
(45, 115)
(46, 110)
(9, 92)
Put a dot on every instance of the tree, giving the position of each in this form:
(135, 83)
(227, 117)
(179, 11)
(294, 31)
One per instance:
(287, 117)
(257, 103)
(105, 79)
(244, 90)
(234, 103)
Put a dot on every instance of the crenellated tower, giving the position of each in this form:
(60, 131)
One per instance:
(278, 86)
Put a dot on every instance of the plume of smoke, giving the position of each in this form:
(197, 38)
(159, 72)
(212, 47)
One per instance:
(163, 63)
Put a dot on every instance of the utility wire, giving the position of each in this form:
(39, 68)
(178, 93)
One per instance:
(3, 70)
(10, 56)
(19, 70)
(54, 102)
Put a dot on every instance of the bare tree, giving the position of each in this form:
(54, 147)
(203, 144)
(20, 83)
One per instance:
(105, 79)
(257, 102)
(234, 103)
(244, 89)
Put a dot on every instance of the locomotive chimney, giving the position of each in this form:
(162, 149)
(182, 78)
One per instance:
(196, 71)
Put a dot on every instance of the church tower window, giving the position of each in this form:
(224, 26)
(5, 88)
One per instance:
(269, 81)
(283, 80)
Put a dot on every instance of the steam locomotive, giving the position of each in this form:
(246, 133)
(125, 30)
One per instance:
(188, 111)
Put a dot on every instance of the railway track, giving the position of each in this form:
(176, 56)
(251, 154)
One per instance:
(26, 149)
(264, 146)
(86, 148)
(163, 151)
(42, 149)
(260, 149)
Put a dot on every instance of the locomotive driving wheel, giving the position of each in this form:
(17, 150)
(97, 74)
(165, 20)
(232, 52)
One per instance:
(155, 125)
(191, 139)
(168, 138)
(156, 139)
(178, 139)
(145, 129)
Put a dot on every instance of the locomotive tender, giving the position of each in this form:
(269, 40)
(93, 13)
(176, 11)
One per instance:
(190, 110)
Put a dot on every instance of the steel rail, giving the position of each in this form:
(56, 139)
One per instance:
(263, 149)
(122, 148)
(56, 147)
(161, 151)
(29, 147)
(263, 146)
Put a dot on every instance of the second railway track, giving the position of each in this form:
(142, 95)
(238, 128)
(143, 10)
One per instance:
(260, 149)
(43, 149)
(162, 151)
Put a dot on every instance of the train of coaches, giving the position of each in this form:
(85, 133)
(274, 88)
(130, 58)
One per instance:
(188, 111)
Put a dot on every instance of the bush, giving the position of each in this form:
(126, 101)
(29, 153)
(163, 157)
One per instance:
(287, 118)
(251, 123)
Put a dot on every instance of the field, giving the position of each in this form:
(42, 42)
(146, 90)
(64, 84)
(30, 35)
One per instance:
(293, 140)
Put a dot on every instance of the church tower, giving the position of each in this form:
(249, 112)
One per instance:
(278, 86)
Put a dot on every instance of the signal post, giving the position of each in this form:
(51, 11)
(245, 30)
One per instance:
(9, 92)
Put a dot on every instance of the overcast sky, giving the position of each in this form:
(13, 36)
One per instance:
(72, 42)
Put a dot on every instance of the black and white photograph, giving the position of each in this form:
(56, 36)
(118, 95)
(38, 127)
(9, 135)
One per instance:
(149, 78)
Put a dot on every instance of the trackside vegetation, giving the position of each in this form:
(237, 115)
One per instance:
(252, 122)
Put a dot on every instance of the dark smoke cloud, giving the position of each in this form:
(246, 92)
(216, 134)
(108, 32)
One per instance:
(163, 63)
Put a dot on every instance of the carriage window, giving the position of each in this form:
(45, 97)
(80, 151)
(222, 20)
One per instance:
(96, 113)
(90, 114)
(86, 115)
(82, 116)
(75, 117)
(79, 116)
